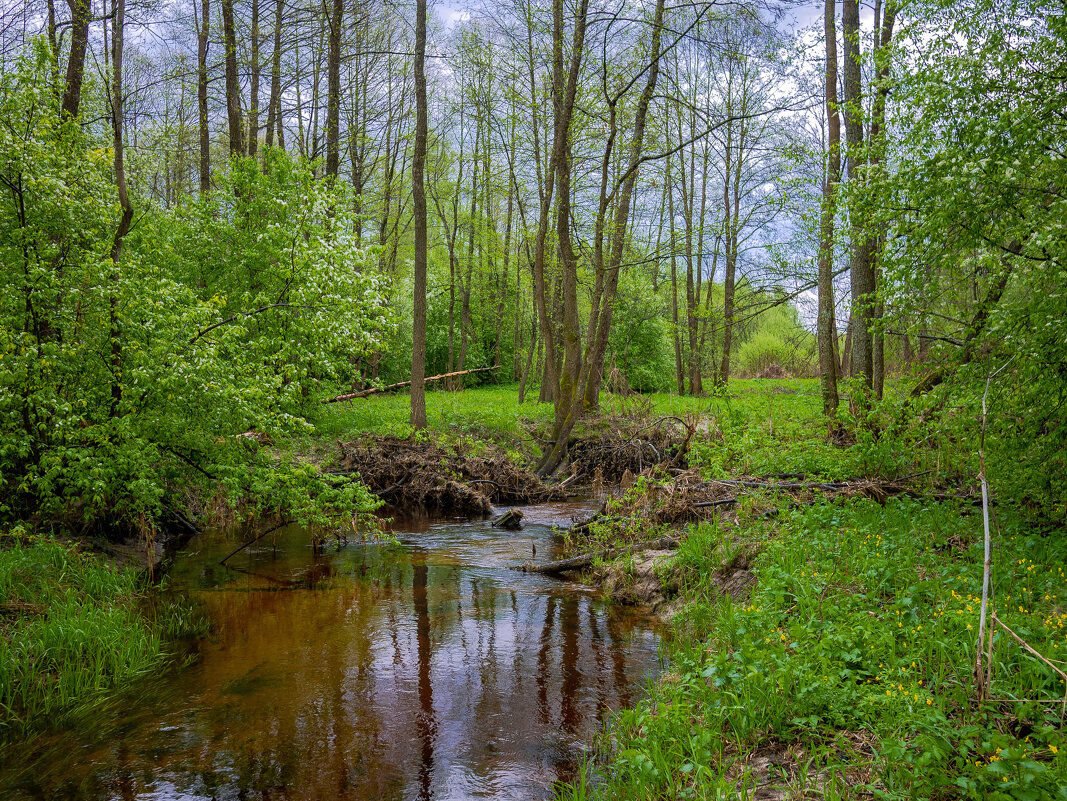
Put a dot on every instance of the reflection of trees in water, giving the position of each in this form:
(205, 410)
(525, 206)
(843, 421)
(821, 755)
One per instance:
(360, 689)
(426, 724)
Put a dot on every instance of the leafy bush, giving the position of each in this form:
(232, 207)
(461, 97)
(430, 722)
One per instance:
(121, 383)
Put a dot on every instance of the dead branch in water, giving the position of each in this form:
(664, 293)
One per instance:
(374, 390)
(586, 559)
(256, 538)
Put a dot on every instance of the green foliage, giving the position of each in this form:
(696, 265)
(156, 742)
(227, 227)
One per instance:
(121, 384)
(778, 339)
(640, 342)
(978, 154)
(71, 633)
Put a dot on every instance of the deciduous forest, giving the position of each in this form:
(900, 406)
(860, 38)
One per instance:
(755, 313)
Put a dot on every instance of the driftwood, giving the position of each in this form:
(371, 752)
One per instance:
(586, 559)
(374, 390)
(511, 520)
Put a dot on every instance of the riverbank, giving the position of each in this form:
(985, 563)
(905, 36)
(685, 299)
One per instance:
(825, 630)
(822, 584)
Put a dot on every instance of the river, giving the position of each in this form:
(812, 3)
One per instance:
(428, 670)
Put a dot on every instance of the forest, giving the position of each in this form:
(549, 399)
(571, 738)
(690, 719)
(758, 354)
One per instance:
(774, 283)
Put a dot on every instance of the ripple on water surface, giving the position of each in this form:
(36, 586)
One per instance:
(426, 671)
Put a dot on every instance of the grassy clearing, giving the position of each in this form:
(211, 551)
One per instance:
(756, 427)
(72, 633)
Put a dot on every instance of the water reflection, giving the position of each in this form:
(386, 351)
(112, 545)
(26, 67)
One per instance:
(429, 671)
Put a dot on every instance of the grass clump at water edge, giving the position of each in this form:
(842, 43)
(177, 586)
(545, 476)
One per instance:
(73, 632)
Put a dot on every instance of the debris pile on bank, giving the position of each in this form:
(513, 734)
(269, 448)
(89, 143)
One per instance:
(412, 474)
(621, 447)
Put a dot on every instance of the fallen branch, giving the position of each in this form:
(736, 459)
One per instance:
(256, 538)
(720, 502)
(792, 485)
(586, 559)
(373, 390)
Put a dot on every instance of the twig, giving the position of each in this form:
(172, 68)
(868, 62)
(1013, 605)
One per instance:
(987, 564)
(1047, 661)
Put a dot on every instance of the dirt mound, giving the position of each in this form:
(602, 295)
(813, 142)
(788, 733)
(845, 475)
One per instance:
(426, 475)
(773, 371)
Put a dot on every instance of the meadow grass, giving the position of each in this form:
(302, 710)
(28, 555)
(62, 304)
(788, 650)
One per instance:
(753, 427)
(855, 652)
(72, 632)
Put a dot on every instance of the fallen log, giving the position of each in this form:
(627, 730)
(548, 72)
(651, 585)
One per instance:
(586, 559)
(373, 390)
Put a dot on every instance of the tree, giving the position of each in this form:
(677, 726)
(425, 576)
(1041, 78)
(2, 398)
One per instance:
(861, 270)
(826, 324)
(80, 16)
(418, 353)
(233, 87)
(202, 37)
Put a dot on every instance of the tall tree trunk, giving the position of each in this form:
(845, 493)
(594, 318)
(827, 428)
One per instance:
(53, 44)
(588, 390)
(80, 15)
(468, 279)
(675, 336)
(563, 96)
(846, 352)
(201, 94)
(333, 91)
(862, 275)
(731, 263)
(274, 105)
(883, 36)
(233, 87)
(505, 278)
(418, 347)
(826, 327)
(253, 100)
(118, 23)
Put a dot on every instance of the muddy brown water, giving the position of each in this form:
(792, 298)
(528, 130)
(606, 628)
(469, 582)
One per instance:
(426, 671)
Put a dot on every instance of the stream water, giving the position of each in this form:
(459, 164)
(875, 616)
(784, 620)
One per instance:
(426, 671)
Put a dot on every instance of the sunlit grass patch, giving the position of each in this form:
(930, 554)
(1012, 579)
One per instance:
(491, 411)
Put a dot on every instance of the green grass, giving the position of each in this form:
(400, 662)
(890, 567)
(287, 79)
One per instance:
(854, 654)
(71, 633)
(861, 630)
(485, 412)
